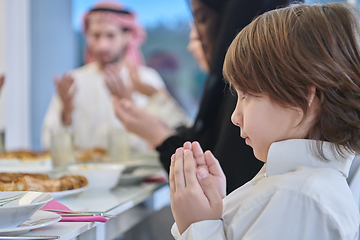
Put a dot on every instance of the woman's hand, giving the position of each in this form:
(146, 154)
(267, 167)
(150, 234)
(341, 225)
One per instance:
(141, 123)
(193, 194)
(209, 162)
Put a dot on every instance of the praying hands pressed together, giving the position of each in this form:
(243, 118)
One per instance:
(197, 186)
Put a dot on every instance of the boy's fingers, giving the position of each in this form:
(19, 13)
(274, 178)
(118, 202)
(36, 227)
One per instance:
(187, 145)
(213, 164)
(208, 187)
(198, 153)
(189, 168)
(179, 169)
(171, 175)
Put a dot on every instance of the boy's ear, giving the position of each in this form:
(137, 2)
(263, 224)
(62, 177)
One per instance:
(311, 95)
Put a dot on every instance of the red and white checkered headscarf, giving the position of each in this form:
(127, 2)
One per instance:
(124, 20)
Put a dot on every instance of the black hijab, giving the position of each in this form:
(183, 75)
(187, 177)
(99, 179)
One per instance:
(234, 15)
(213, 127)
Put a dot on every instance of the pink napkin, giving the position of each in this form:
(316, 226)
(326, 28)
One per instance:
(154, 179)
(53, 204)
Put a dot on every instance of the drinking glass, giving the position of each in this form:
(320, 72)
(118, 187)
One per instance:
(62, 149)
(2, 141)
(118, 145)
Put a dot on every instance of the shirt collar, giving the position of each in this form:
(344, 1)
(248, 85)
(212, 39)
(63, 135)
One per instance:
(287, 155)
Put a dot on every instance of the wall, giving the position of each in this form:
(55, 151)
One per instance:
(17, 74)
(3, 93)
(53, 51)
(2, 35)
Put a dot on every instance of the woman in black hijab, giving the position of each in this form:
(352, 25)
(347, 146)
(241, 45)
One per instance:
(217, 22)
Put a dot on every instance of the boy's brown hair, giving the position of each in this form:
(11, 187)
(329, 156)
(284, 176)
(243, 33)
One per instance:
(285, 51)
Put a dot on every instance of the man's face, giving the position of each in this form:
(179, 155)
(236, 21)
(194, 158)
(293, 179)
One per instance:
(107, 41)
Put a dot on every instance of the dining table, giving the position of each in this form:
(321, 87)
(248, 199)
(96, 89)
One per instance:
(128, 204)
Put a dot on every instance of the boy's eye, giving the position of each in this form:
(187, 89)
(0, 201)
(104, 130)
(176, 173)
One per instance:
(244, 96)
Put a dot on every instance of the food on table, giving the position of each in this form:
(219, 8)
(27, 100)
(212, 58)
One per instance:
(9, 177)
(92, 155)
(25, 161)
(40, 182)
(25, 155)
(89, 167)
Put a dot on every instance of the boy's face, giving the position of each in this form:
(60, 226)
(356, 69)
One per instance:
(263, 122)
(107, 41)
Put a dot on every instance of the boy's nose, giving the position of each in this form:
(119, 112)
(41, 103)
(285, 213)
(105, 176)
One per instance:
(236, 118)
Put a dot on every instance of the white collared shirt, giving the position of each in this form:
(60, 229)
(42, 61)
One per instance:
(93, 118)
(295, 196)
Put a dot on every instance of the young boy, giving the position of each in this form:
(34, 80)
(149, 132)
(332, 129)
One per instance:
(296, 72)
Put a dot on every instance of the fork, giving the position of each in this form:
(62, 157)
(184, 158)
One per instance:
(4, 201)
(38, 221)
(28, 237)
(77, 214)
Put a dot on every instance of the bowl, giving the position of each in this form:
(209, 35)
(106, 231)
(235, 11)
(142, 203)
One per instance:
(18, 206)
(100, 176)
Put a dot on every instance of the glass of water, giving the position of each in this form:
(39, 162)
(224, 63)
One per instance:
(118, 145)
(62, 149)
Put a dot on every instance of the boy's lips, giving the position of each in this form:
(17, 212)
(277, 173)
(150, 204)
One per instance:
(244, 136)
(247, 139)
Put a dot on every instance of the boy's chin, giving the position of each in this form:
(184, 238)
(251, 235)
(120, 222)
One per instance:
(260, 157)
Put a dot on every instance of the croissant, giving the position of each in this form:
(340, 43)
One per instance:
(30, 182)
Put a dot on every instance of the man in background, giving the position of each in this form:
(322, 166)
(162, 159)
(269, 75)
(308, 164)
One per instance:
(114, 67)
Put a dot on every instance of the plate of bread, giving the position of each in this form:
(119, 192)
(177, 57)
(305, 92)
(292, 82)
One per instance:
(25, 161)
(58, 187)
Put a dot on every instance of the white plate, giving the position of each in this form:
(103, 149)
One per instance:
(38, 220)
(61, 194)
(18, 206)
(31, 166)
